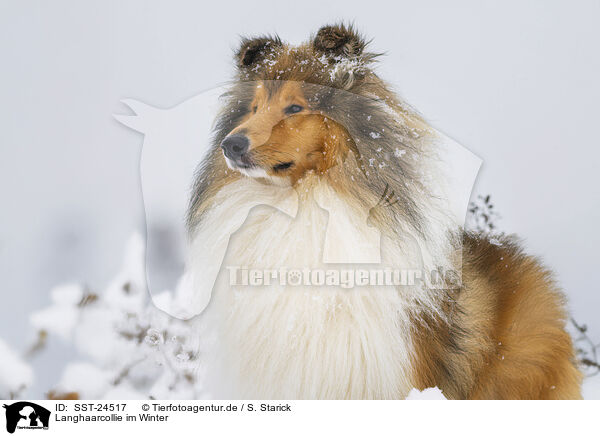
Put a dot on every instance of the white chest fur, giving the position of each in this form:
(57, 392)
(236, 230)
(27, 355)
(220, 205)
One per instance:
(306, 342)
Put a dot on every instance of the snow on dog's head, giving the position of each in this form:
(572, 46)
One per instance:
(319, 110)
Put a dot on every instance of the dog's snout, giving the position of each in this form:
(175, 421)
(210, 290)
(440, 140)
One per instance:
(235, 146)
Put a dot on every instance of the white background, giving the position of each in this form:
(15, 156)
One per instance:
(515, 82)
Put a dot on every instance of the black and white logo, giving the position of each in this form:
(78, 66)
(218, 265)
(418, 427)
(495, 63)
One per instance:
(26, 415)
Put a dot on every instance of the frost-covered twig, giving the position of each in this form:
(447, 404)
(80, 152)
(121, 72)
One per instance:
(482, 216)
(587, 349)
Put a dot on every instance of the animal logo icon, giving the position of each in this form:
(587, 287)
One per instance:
(26, 415)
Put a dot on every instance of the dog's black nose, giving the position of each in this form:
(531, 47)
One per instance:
(235, 146)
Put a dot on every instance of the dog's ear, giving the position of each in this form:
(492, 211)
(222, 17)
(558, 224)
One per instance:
(339, 40)
(255, 49)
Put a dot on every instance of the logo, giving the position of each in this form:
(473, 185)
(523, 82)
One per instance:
(26, 415)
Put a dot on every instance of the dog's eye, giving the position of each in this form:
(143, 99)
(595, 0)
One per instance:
(293, 109)
(254, 109)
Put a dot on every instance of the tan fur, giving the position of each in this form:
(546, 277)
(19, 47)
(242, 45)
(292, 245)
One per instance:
(309, 140)
(504, 336)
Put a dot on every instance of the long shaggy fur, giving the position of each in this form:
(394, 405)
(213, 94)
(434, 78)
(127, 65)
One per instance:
(500, 334)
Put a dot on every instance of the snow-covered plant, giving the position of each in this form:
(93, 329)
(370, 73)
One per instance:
(129, 349)
(481, 215)
(587, 349)
(16, 374)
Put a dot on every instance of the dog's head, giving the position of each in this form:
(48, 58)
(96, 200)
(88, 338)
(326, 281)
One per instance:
(317, 108)
(284, 115)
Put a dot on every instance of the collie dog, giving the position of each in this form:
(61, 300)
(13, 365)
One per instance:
(317, 158)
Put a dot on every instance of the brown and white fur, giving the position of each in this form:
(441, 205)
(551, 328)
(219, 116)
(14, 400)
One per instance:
(303, 118)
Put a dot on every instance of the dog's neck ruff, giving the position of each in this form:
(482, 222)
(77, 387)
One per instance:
(283, 341)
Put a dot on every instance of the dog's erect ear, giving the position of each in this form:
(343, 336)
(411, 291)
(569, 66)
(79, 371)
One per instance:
(339, 40)
(255, 49)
